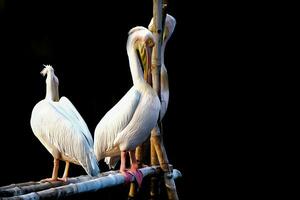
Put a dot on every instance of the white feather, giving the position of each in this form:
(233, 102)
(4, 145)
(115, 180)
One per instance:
(73, 113)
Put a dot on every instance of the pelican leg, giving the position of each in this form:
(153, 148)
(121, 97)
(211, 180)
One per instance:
(134, 168)
(123, 162)
(134, 164)
(125, 173)
(66, 172)
(54, 173)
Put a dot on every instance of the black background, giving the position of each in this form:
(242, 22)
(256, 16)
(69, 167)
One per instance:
(86, 44)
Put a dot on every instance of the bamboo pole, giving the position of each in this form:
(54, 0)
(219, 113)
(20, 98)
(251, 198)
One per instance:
(17, 185)
(156, 53)
(155, 71)
(141, 153)
(112, 178)
(154, 183)
(159, 13)
(31, 186)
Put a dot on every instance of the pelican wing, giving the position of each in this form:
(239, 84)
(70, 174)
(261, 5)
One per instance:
(142, 122)
(66, 105)
(114, 121)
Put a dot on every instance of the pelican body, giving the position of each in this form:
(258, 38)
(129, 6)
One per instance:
(61, 129)
(129, 122)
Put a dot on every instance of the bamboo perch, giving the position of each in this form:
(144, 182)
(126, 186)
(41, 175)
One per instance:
(31, 186)
(17, 185)
(90, 184)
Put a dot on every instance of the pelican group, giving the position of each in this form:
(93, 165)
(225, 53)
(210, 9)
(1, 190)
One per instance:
(61, 129)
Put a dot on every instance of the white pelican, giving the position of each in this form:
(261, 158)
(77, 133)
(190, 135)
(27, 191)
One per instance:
(170, 24)
(61, 129)
(129, 122)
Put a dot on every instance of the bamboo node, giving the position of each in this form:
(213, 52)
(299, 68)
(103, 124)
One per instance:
(169, 175)
(166, 167)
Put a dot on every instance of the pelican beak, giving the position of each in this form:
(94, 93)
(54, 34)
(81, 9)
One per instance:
(44, 72)
(148, 65)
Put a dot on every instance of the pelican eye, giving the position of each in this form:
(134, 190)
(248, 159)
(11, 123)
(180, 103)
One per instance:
(149, 43)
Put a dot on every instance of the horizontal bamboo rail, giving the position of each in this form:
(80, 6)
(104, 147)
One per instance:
(32, 186)
(76, 185)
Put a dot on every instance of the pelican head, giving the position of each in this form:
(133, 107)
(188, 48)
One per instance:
(170, 24)
(51, 82)
(47, 69)
(143, 42)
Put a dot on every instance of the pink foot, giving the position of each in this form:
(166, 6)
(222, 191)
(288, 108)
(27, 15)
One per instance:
(48, 180)
(64, 179)
(128, 176)
(138, 176)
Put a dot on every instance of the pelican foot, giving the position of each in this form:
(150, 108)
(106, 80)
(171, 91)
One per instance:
(128, 176)
(138, 175)
(63, 179)
(48, 180)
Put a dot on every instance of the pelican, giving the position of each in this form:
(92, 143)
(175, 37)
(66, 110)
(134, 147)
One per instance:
(170, 24)
(61, 129)
(129, 122)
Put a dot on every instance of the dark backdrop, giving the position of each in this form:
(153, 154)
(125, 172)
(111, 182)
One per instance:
(86, 44)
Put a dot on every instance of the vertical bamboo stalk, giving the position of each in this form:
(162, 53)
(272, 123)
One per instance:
(155, 70)
(154, 184)
(132, 191)
(156, 53)
(139, 155)
(159, 14)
